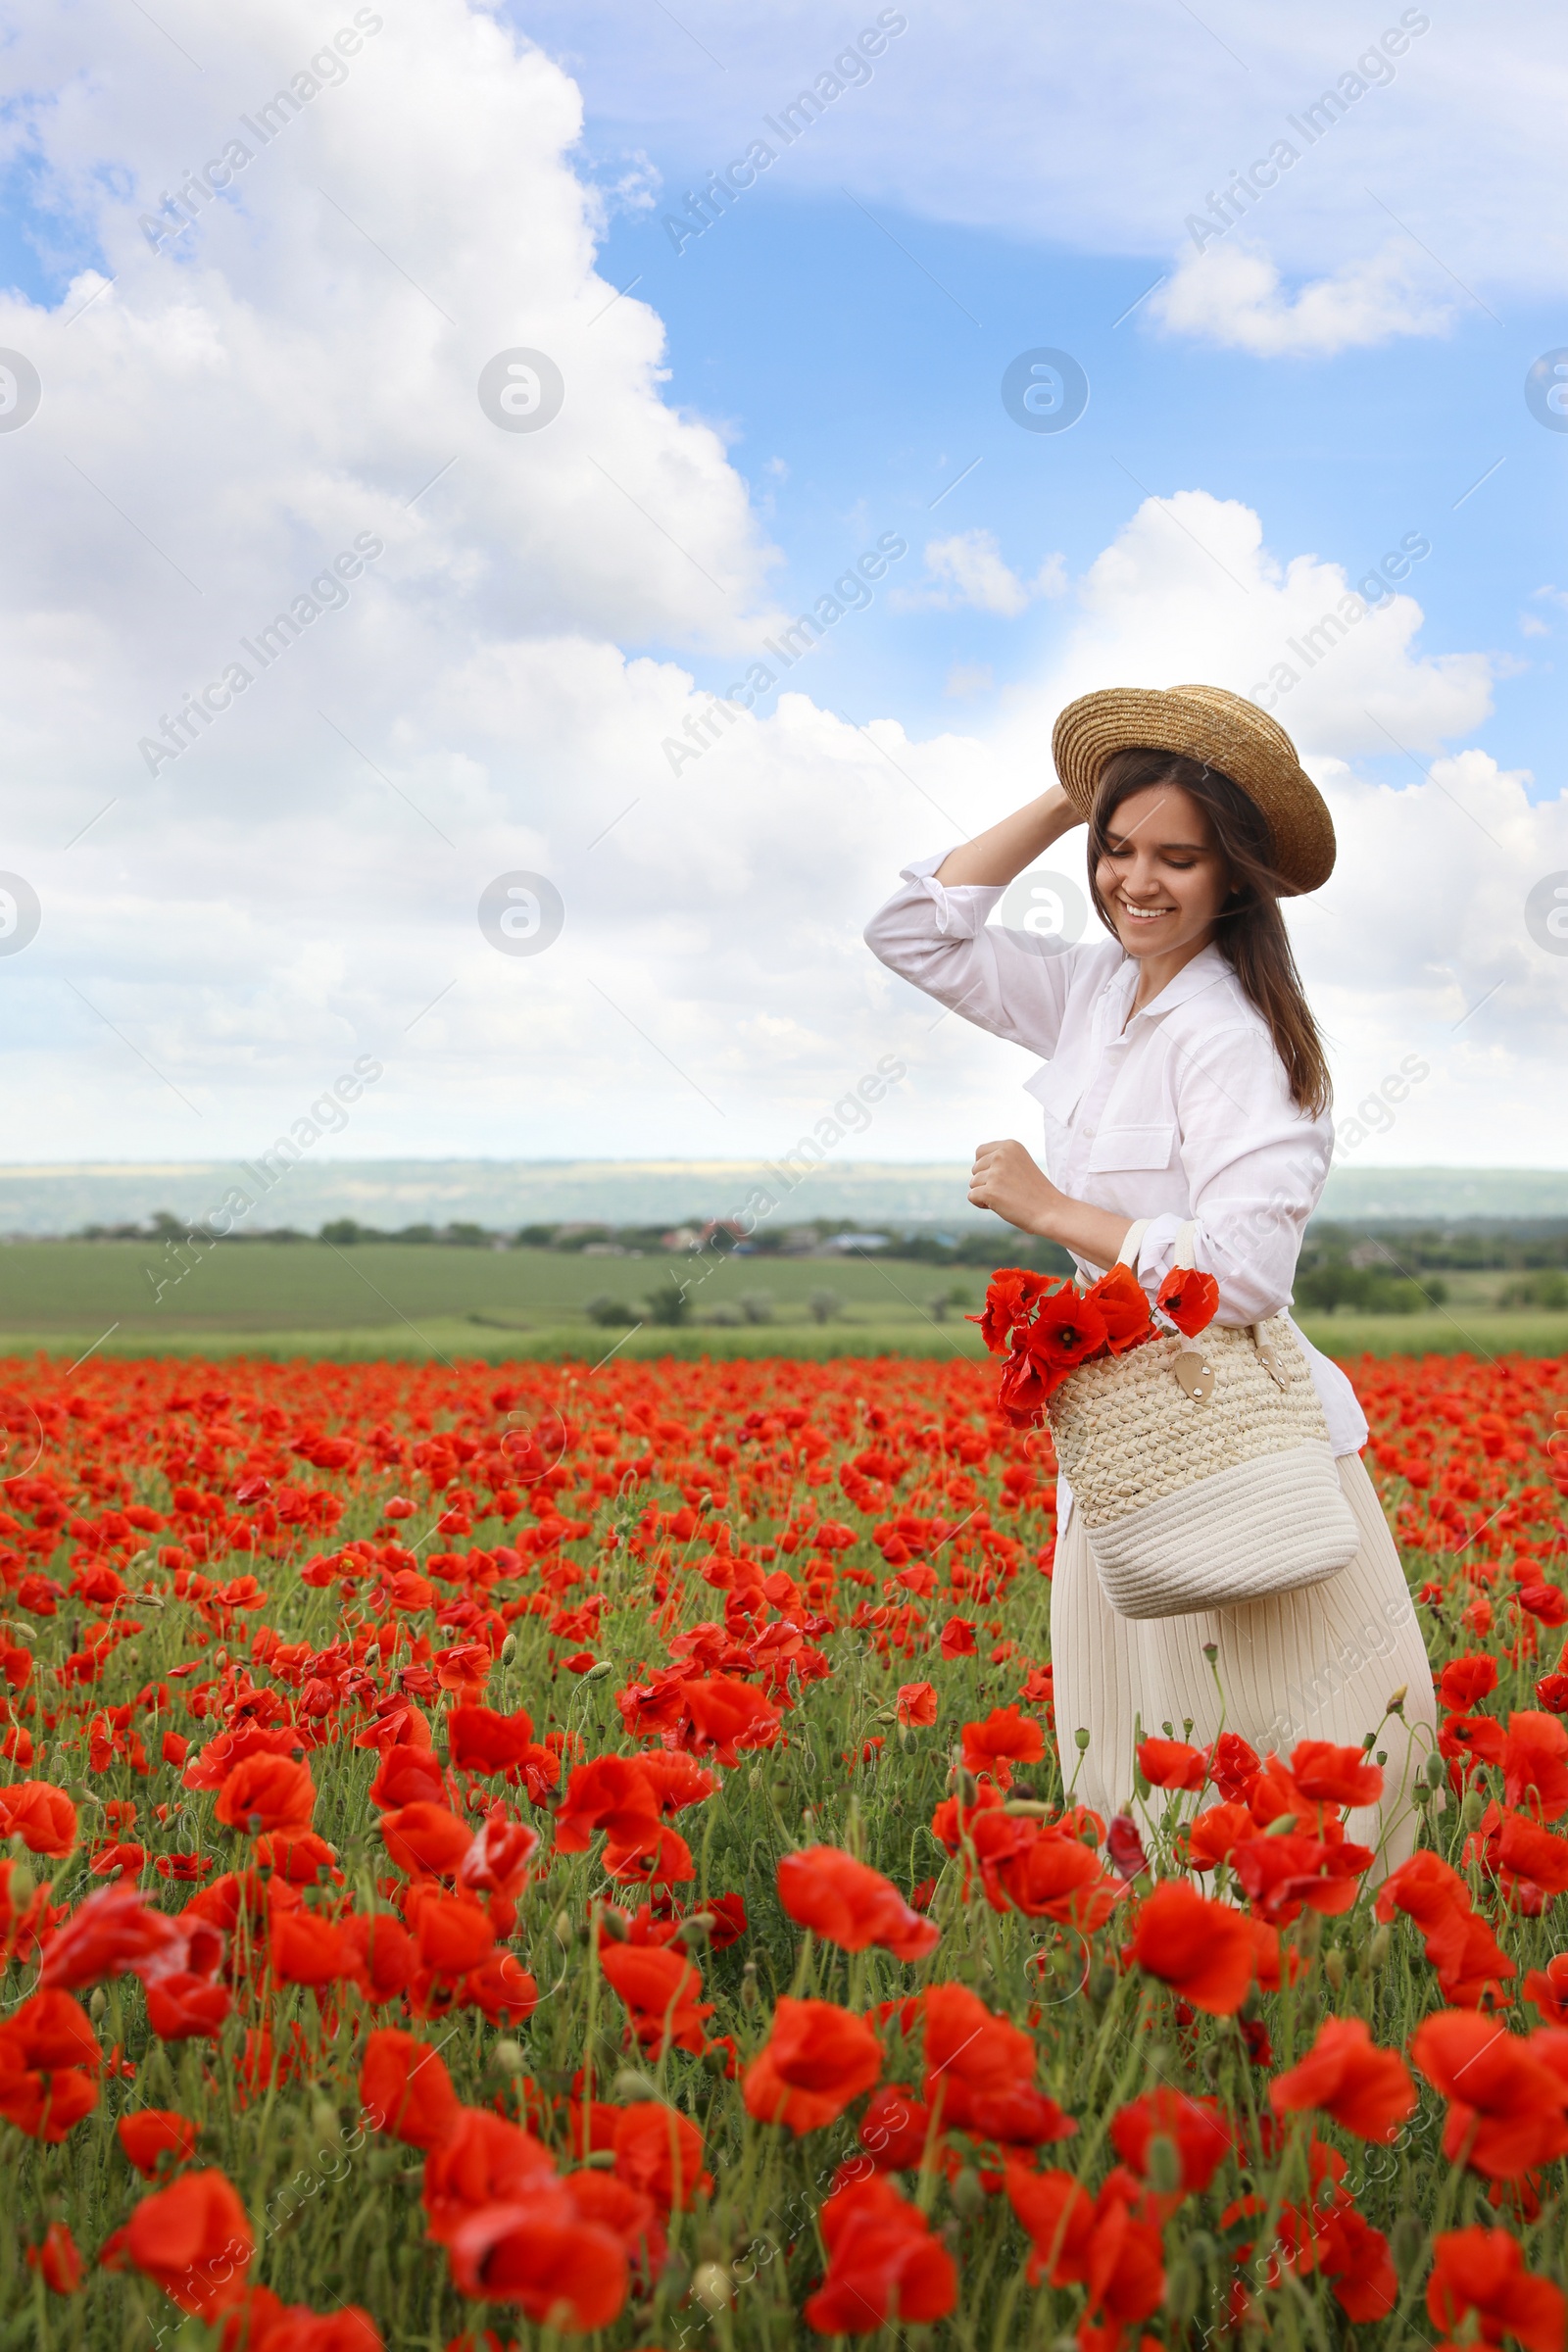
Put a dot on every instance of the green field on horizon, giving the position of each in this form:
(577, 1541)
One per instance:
(384, 1299)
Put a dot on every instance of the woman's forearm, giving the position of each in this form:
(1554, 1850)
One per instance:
(1005, 850)
(1094, 1234)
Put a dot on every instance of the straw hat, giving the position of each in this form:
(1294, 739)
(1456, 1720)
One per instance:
(1225, 732)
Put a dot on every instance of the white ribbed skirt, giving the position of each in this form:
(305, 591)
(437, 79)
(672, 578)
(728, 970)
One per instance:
(1320, 1663)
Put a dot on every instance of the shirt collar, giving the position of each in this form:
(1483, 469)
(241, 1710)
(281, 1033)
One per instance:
(1207, 967)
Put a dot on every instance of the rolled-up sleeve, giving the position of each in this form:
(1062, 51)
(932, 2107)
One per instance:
(938, 937)
(1254, 1165)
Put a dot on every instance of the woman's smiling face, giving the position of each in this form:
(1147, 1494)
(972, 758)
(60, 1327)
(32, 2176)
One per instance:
(1161, 875)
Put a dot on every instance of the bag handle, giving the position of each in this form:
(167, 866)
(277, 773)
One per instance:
(1133, 1242)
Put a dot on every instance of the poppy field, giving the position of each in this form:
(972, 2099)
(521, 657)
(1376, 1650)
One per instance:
(497, 1855)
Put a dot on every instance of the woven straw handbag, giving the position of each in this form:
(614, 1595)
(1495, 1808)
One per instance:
(1203, 1467)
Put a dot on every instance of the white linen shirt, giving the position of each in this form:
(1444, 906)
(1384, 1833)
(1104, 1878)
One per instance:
(1179, 1112)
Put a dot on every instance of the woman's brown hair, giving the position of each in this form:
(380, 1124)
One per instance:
(1251, 932)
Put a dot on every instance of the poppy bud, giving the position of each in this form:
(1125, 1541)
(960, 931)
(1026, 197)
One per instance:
(1395, 1705)
(714, 2286)
(98, 2006)
(509, 1650)
(20, 1886)
(694, 1930)
(1309, 1932)
(1334, 1968)
(325, 2121)
(1471, 1811)
(1201, 2248)
(1377, 1951)
(1101, 1983)
(1162, 2165)
(749, 1992)
(968, 1788)
(565, 1931)
(597, 1674)
(632, 2085)
(611, 1922)
(1182, 2289)
(1080, 1740)
(968, 2194)
(1435, 1770)
(1408, 2243)
(507, 2057)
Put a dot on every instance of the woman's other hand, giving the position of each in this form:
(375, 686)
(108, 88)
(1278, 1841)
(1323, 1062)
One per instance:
(1006, 1180)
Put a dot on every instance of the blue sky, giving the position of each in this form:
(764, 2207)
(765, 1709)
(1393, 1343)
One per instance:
(231, 915)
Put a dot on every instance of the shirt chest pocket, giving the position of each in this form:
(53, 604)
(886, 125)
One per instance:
(1142, 1147)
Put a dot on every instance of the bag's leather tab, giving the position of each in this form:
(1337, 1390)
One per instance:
(1268, 1354)
(1195, 1374)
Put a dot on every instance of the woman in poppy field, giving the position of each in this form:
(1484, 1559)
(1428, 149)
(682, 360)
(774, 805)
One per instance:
(497, 1857)
(1184, 1088)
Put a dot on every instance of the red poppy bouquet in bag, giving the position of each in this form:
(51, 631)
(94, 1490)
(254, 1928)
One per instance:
(1202, 1466)
(1047, 1327)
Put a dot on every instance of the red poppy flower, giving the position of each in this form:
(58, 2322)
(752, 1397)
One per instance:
(1060, 2217)
(404, 2089)
(884, 2266)
(110, 1934)
(560, 2268)
(1216, 1833)
(1234, 1768)
(408, 1776)
(1195, 2127)
(295, 2327)
(1191, 1299)
(1506, 2106)
(41, 1815)
(1346, 2076)
(980, 2073)
(724, 1716)
(49, 2062)
(186, 2007)
(1067, 1329)
(1172, 1764)
(1201, 1950)
(1534, 1766)
(1283, 1875)
(266, 1793)
(957, 1639)
(895, 2129)
(452, 1933)
(661, 2153)
(1335, 1776)
(149, 2133)
(918, 1705)
(851, 1905)
(303, 1948)
(57, 2261)
(1123, 1305)
(611, 1794)
(658, 1987)
(1547, 1989)
(1011, 1296)
(426, 1838)
(1483, 2271)
(1465, 1681)
(817, 2058)
(1006, 1738)
(194, 2240)
(480, 2160)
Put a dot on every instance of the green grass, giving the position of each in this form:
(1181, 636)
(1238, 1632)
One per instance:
(303, 1299)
